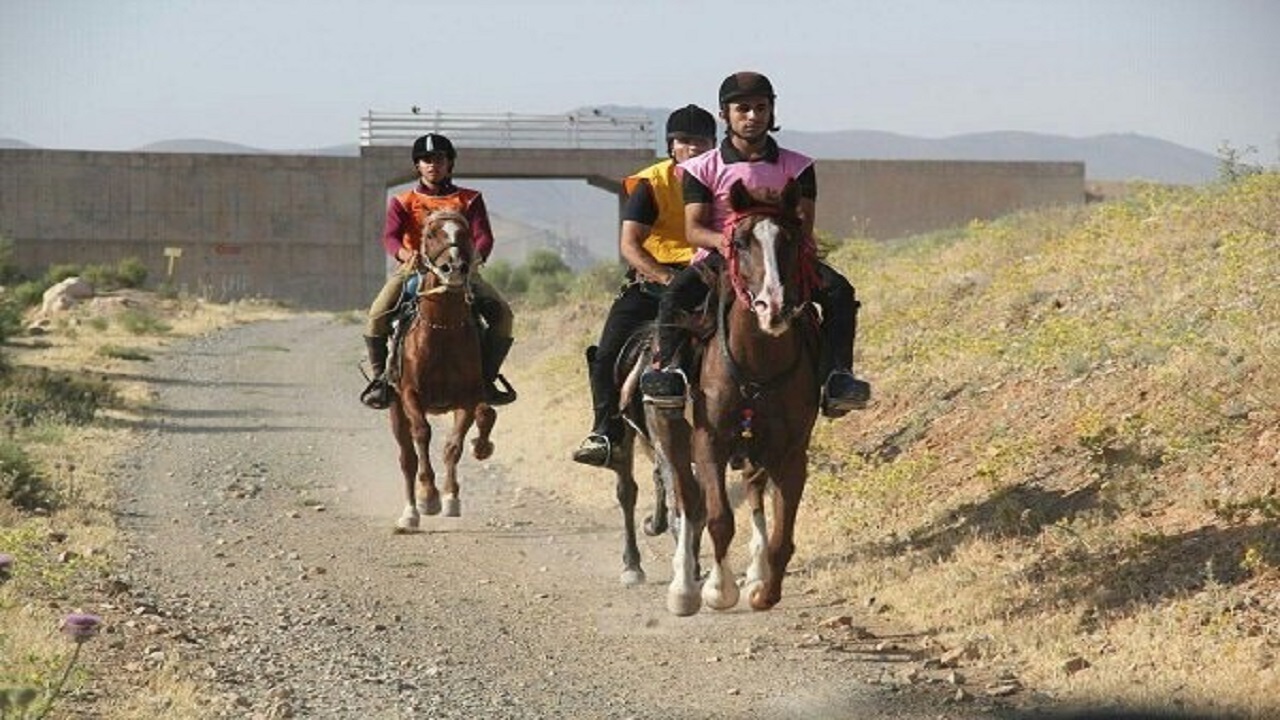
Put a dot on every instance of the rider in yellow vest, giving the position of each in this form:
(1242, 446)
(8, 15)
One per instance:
(433, 158)
(652, 242)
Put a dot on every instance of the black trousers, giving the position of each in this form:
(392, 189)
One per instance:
(834, 294)
(636, 305)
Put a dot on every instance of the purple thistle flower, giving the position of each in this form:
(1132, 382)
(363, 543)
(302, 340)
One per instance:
(81, 626)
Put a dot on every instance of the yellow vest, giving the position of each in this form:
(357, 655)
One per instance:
(666, 241)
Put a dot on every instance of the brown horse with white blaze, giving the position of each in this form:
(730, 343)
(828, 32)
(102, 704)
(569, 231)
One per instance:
(753, 407)
(440, 370)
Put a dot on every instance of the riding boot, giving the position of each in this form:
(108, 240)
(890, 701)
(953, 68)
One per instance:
(841, 391)
(664, 383)
(377, 394)
(493, 352)
(607, 430)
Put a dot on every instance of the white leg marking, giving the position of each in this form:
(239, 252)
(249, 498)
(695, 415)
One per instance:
(409, 519)
(719, 591)
(758, 568)
(682, 594)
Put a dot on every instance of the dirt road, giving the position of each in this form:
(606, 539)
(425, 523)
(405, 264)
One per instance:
(259, 511)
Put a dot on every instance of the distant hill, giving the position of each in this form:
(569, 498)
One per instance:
(1106, 157)
(196, 145)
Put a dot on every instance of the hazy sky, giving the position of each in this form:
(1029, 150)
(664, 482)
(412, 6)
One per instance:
(290, 74)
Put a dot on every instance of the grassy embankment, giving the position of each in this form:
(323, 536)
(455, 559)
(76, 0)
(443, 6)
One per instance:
(1070, 467)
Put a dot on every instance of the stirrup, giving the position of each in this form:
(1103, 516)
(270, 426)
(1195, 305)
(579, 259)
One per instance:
(378, 394)
(664, 388)
(856, 397)
(591, 449)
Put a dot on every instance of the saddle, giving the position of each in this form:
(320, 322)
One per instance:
(402, 317)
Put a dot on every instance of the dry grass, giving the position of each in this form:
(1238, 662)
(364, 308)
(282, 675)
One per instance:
(1073, 445)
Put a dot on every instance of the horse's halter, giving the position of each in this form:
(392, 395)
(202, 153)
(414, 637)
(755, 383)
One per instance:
(448, 263)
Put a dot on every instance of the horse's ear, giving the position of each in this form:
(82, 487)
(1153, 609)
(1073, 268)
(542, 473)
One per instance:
(739, 196)
(791, 195)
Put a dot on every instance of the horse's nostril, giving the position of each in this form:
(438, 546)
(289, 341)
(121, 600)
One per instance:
(760, 306)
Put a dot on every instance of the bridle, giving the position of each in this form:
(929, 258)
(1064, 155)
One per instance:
(432, 264)
(749, 388)
(807, 269)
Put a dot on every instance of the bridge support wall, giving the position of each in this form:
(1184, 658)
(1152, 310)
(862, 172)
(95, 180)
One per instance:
(303, 229)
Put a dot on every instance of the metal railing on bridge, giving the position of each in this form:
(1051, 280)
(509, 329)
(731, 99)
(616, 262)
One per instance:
(594, 130)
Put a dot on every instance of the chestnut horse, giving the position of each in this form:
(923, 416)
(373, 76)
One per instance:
(753, 407)
(439, 370)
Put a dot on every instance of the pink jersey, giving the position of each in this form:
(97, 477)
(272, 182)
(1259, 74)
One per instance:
(718, 176)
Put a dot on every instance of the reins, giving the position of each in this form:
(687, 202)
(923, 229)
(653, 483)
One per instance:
(749, 389)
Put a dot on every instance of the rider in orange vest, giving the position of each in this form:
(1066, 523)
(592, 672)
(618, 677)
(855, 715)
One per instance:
(433, 158)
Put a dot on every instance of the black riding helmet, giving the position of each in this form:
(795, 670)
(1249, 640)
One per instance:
(745, 84)
(748, 84)
(691, 120)
(433, 143)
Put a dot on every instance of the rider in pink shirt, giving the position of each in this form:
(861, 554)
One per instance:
(748, 153)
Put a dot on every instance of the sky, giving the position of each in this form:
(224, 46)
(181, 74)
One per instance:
(289, 74)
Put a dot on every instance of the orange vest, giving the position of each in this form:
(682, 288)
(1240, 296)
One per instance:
(421, 205)
(666, 241)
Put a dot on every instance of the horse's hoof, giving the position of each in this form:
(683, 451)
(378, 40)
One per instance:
(429, 507)
(482, 450)
(452, 507)
(654, 528)
(407, 522)
(720, 598)
(632, 577)
(760, 600)
(683, 605)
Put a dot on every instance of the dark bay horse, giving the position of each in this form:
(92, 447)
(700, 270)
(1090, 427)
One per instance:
(635, 356)
(439, 370)
(753, 407)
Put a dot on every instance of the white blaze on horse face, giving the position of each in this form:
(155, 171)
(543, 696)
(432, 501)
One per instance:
(456, 274)
(767, 301)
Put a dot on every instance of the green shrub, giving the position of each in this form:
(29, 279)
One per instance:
(128, 273)
(8, 267)
(123, 353)
(20, 484)
(10, 317)
(141, 322)
(498, 274)
(28, 294)
(602, 280)
(28, 395)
